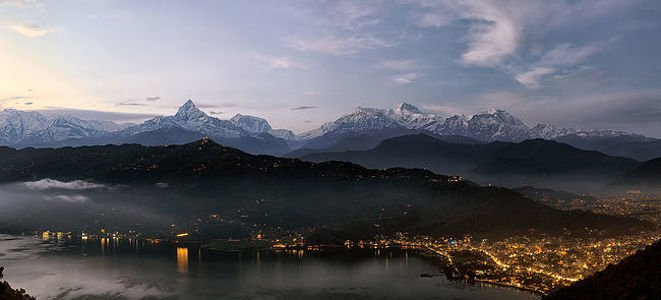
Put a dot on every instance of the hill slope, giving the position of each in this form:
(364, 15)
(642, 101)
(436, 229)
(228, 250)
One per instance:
(126, 186)
(538, 162)
(646, 177)
(635, 277)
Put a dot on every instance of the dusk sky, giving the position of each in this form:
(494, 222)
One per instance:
(582, 64)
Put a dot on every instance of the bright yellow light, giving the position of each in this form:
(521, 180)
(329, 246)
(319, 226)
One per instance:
(182, 260)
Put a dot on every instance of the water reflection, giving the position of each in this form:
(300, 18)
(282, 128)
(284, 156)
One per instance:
(49, 269)
(182, 260)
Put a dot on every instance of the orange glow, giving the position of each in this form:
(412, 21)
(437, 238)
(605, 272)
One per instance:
(182, 260)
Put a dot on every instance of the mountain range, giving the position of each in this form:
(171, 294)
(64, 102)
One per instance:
(362, 129)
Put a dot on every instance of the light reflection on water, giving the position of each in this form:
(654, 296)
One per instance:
(182, 260)
(135, 269)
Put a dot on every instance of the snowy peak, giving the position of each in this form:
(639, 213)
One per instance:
(251, 124)
(404, 108)
(189, 112)
(190, 118)
(27, 128)
(490, 125)
(499, 116)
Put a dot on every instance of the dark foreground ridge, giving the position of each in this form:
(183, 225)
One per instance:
(531, 162)
(217, 191)
(645, 177)
(7, 293)
(635, 277)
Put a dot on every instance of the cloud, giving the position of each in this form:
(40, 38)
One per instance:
(69, 198)
(31, 31)
(399, 65)
(46, 184)
(22, 3)
(405, 78)
(531, 79)
(303, 107)
(216, 112)
(153, 98)
(343, 27)
(130, 104)
(275, 62)
(352, 15)
(494, 28)
(28, 103)
(563, 55)
(14, 98)
(498, 31)
(566, 55)
(405, 67)
(338, 45)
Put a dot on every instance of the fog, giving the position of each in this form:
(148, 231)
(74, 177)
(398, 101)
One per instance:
(78, 205)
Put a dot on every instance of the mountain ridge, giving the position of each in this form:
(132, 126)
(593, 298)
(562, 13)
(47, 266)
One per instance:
(537, 162)
(31, 129)
(292, 194)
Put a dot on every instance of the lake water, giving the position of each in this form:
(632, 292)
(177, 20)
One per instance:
(123, 269)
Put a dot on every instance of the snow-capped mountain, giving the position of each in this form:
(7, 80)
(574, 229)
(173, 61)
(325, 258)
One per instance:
(190, 118)
(492, 125)
(255, 135)
(257, 126)
(365, 119)
(24, 128)
(550, 132)
(487, 126)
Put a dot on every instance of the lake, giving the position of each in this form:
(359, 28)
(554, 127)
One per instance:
(139, 269)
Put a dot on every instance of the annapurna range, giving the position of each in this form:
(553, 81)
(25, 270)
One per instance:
(255, 135)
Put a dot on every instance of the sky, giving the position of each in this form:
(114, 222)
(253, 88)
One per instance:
(581, 64)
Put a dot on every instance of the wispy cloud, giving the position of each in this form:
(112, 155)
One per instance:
(399, 65)
(68, 198)
(14, 98)
(303, 107)
(28, 103)
(155, 98)
(277, 62)
(338, 45)
(22, 3)
(563, 55)
(46, 184)
(405, 78)
(216, 112)
(343, 27)
(498, 30)
(408, 69)
(531, 78)
(130, 104)
(353, 15)
(31, 31)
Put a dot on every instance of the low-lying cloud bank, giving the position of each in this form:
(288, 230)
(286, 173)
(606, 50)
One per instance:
(47, 184)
